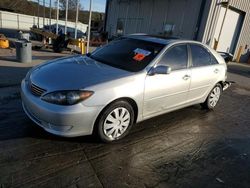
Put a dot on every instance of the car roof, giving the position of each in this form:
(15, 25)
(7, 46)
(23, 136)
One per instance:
(172, 40)
(160, 39)
(151, 38)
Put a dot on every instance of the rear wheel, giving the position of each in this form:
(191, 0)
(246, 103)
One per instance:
(213, 98)
(116, 121)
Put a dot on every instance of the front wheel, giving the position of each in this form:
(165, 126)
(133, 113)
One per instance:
(116, 121)
(213, 98)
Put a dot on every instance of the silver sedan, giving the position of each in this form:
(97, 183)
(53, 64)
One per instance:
(131, 79)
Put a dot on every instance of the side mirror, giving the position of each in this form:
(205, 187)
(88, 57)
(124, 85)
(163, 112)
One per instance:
(160, 69)
(88, 54)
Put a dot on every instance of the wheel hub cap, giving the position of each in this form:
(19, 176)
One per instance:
(116, 123)
(214, 96)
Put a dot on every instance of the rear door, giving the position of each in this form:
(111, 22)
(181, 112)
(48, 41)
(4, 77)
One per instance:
(166, 91)
(204, 69)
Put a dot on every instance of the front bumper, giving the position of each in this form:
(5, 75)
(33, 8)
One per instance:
(67, 121)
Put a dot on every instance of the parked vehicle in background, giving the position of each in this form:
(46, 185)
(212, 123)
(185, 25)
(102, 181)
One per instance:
(129, 80)
(226, 56)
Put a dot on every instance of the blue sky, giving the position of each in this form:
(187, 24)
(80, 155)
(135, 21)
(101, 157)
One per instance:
(98, 5)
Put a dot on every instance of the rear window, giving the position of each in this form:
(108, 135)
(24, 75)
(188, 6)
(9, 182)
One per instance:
(201, 56)
(128, 54)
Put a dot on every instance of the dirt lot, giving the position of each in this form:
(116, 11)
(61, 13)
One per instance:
(187, 148)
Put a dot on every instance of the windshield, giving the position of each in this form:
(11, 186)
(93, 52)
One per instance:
(128, 54)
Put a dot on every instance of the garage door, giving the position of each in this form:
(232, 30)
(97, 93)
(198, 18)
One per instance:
(230, 31)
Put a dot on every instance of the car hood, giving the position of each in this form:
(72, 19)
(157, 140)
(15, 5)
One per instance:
(75, 72)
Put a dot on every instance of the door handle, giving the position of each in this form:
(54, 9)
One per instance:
(186, 77)
(216, 71)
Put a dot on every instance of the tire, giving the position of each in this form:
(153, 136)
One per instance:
(57, 48)
(58, 44)
(115, 122)
(213, 98)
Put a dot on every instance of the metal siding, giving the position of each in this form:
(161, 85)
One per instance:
(159, 10)
(145, 15)
(204, 26)
(154, 15)
(191, 20)
(244, 38)
(209, 21)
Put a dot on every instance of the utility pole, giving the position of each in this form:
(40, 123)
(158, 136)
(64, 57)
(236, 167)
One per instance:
(57, 16)
(77, 14)
(223, 21)
(89, 26)
(38, 4)
(66, 16)
(50, 15)
(43, 13)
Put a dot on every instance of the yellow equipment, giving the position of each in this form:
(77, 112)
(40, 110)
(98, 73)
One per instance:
(80, 43)
(4, 42)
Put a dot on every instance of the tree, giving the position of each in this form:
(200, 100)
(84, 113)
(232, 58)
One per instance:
(72, 5)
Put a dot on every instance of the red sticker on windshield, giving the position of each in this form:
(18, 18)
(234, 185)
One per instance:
(139, 57)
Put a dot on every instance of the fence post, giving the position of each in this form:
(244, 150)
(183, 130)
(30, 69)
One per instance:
(18, 22)
(1, 20)
(239, 54)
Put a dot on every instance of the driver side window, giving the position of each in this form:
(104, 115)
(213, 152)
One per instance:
(176, 57)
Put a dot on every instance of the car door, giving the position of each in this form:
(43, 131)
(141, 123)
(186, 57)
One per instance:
(166, 91)
(204, 69)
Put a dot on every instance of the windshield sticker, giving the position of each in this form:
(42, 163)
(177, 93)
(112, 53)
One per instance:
(139, 57)
(141, 51)
(140, 54)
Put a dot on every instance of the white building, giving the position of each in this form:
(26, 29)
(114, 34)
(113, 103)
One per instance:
(15, 21)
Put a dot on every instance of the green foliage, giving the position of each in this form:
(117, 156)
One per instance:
(72, 4)
(31, 8)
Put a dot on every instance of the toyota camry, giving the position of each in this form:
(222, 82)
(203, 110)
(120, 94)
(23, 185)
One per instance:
(131, 79)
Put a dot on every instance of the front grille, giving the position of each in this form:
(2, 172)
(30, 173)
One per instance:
(35, 90)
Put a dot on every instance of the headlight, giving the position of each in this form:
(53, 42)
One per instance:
(67, 97)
